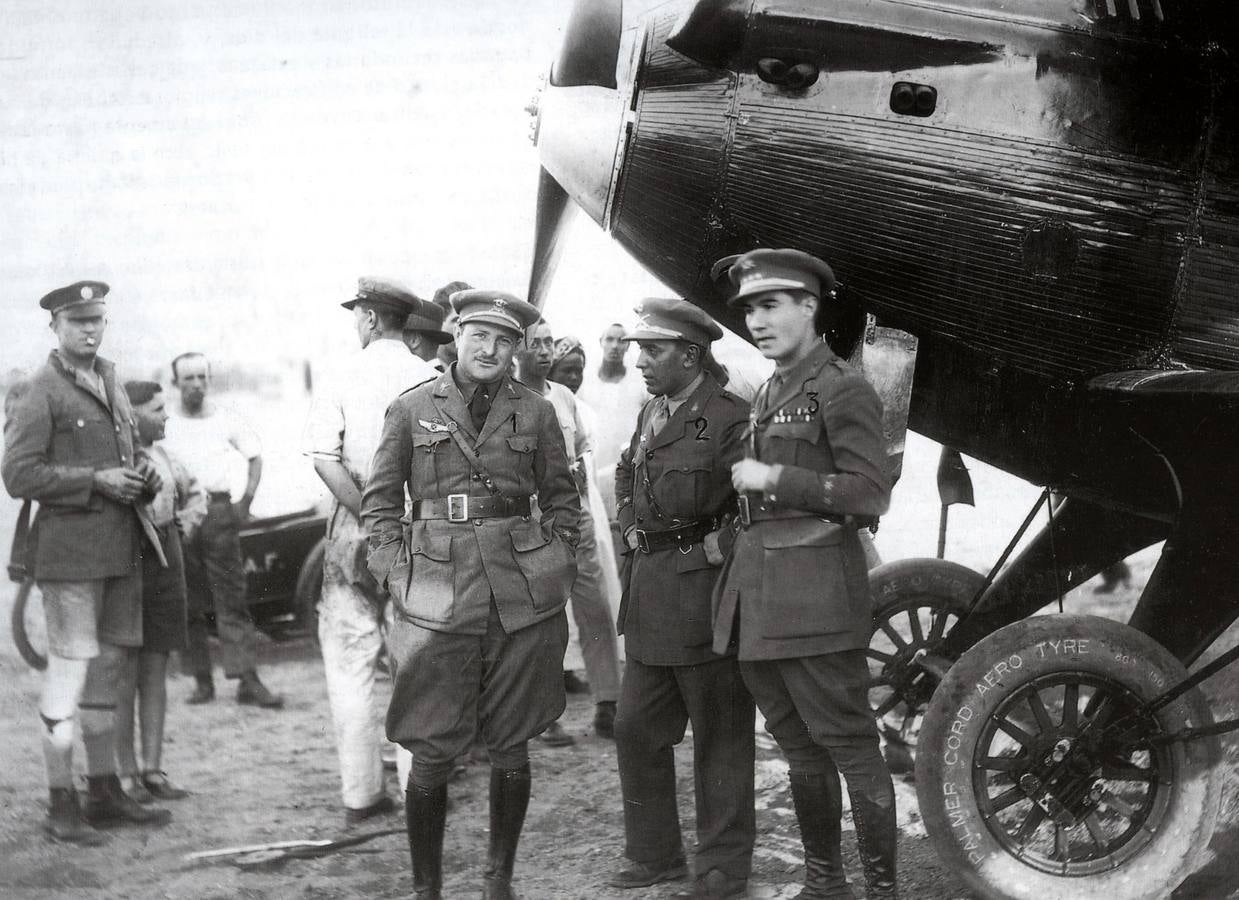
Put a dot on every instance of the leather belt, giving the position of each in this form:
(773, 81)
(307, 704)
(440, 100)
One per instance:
(462, 508)
(687, 534)
(751, 512)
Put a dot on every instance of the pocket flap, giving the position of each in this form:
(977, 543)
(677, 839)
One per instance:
(529, 537)
(523, 443)
(690, 466)
(429, 440)
(433, 546)
(797, 431)
(806, 532)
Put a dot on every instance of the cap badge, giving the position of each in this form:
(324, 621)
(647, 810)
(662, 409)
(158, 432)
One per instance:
(87, 292)
(500, 303)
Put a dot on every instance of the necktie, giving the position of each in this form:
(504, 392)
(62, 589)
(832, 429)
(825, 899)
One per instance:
(773, 386)
(479, 406)
(660, 415)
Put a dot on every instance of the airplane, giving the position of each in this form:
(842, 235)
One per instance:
(1045, 194)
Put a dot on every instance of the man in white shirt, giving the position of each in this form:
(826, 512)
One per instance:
(618, 393)
(209, 439)
(343, 430)
(590, 608)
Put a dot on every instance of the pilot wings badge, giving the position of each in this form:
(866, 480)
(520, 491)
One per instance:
(434, 427)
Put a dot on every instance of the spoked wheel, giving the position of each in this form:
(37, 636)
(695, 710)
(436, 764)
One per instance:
(916, 602)
(1037, 778)
(29, 626)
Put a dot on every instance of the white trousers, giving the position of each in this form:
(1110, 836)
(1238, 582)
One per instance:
(351, 635)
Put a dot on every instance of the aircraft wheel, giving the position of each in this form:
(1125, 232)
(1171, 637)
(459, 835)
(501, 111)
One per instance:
(1025, 792)
(309, 589)
(916, 602)
(29, 626)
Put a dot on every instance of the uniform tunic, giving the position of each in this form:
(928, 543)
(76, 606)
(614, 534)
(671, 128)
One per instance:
(798, 585)
(486, 580)
(59, 432)
(679, 474)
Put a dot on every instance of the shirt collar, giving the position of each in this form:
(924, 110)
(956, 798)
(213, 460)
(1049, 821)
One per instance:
(674, 400)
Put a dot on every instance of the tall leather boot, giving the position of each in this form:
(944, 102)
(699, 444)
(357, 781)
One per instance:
(818, 800)
(425, 813)
(509, 798)
(107, 804)
(876, 833)
(64, 820)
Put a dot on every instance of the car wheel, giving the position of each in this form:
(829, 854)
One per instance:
(309, 589)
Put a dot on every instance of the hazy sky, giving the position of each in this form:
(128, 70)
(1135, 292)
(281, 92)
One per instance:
(231, 167)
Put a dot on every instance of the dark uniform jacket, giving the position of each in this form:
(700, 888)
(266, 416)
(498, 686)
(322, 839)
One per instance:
(441, 574)
(58, 433)
(680, 474)
(799, 584)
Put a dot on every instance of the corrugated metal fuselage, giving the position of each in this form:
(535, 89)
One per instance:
(1069, 209)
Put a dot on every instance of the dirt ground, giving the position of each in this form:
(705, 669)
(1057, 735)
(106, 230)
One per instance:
(260, 776)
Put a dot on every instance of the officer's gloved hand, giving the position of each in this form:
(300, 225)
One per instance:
(630, 538)
(714, 553)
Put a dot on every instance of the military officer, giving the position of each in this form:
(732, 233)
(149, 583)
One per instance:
(479, 586)
(71, 445)
(673, 489)
(794, 596)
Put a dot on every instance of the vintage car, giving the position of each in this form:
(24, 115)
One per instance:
(283, 575)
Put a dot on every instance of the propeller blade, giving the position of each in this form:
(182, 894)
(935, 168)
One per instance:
(591, 45)
(554, 211)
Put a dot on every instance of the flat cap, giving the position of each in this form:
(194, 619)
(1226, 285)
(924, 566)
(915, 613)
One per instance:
(427, 319)
(384, 292)
(76, 294)
(762, 270)
(494, 308)
(672, 319)
(443, 296)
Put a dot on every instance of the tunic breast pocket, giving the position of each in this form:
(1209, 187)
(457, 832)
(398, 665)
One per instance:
(95, 439)
(426, 453)
(682, 485)
(794, 443)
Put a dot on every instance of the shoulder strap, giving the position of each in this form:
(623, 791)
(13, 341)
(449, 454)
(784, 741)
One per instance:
(474, 458)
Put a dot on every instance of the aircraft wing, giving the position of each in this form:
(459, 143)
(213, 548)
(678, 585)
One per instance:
(734, 34)
(898, 35)
(1199, 384)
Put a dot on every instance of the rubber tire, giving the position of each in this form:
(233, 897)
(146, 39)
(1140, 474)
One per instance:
(309, 590)
(33, 657)
(939, 582)
(965, 843)
(950, 583)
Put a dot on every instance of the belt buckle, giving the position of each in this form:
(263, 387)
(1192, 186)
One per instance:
(642, 544)
(458, 507)
(746, 514)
